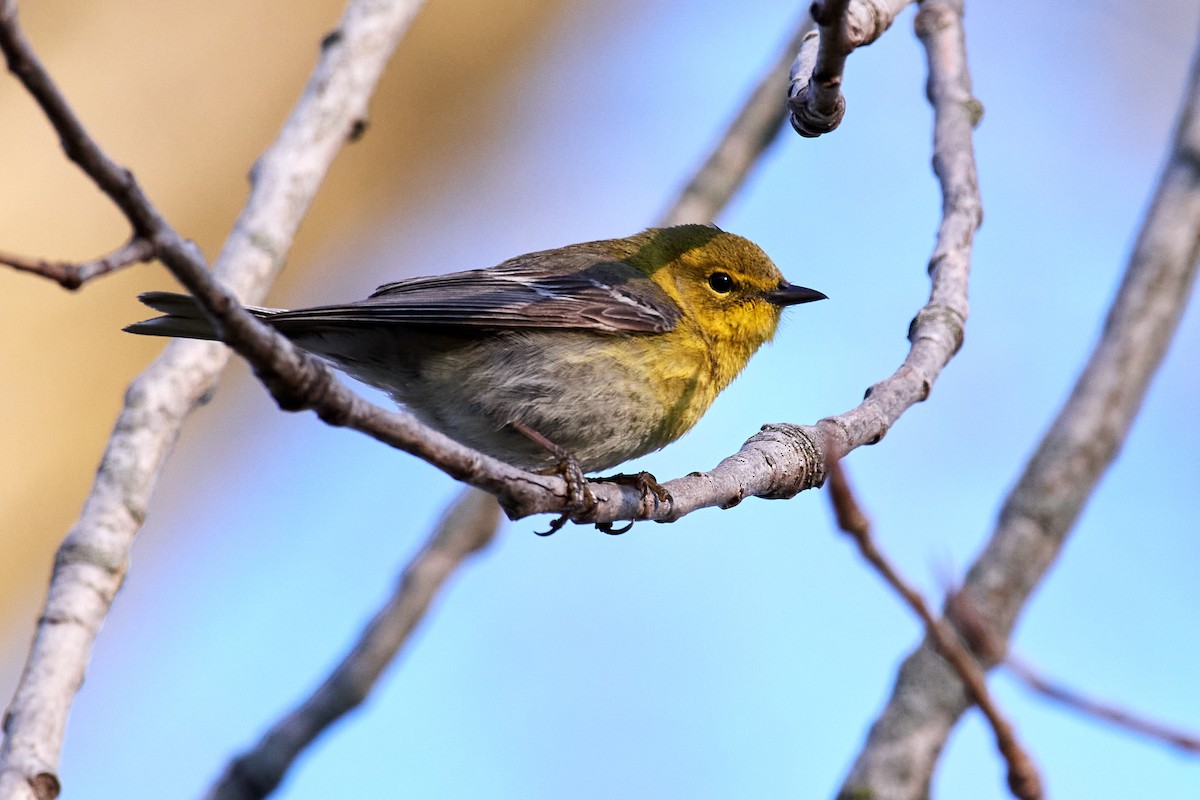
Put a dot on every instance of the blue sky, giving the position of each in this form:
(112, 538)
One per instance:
(732, 654)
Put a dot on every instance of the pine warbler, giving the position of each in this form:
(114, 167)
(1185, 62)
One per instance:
(608, 349)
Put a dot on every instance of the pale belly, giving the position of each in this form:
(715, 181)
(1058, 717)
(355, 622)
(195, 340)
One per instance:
(594, 401)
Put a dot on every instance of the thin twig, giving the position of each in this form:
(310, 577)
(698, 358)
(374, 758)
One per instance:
(467, 527)
(1105, 712)
(973, 628)
(74, 275)
(901, 751)
(1023, 778)
(92, 560)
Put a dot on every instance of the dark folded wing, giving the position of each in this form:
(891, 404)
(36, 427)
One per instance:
(580, 290)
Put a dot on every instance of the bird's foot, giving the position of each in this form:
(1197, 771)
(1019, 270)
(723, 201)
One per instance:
(579, 495)
(645, 483)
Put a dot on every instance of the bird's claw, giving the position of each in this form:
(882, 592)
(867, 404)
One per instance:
(579, 494)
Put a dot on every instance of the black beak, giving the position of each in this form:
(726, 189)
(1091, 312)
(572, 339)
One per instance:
(789, 295)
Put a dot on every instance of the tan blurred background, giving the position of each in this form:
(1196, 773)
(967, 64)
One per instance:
(189, 112)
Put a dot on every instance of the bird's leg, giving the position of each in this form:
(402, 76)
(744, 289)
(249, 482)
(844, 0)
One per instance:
(579, 496)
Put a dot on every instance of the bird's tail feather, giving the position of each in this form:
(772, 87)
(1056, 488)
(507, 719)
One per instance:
(184, 318)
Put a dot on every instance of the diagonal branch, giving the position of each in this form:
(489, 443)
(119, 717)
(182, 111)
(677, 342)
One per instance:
(466, 528)
(898, 758)
(93, 558)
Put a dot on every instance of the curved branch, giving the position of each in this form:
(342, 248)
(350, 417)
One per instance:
(790, 461)
(899, 755)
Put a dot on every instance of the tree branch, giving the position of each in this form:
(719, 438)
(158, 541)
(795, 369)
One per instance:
(73, 276)
(1106, 712)
(466, 528)
(898, 757)
(298, 381)
(815, 88)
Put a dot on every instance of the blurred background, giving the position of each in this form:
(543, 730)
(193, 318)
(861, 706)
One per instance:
(732, 654)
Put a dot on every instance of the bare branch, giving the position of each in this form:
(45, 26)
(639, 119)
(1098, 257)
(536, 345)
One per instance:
(72, 276)
(1023, 778)
(937, 331)
(1106, 712)
(818, 105)
(899, 756)
(467, 527)
(93, 558)
(815, 87)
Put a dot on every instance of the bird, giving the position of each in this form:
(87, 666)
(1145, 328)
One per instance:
(597, 352)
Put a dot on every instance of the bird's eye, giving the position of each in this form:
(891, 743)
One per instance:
(720, 282)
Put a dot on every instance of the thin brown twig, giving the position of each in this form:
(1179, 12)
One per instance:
(72, 275)
(1023, 778)
(1096, 709)
(990, 648)
(468, 526)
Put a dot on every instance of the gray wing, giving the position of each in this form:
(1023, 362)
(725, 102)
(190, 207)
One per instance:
(577, 289)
